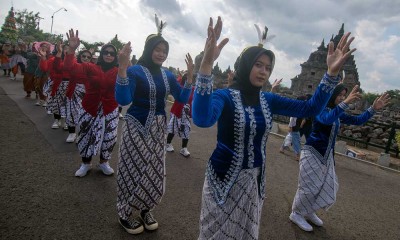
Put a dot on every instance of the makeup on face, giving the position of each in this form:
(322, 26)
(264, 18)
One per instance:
(159, 54)
(260, 71)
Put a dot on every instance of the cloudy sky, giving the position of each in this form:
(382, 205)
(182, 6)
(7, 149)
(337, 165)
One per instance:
(298, 26)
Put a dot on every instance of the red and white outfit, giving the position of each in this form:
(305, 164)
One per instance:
(181, 114)
(57, 102)
(98, 117)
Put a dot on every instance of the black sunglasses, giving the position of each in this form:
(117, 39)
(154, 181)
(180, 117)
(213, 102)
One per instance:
(86, 56)
(112, 53)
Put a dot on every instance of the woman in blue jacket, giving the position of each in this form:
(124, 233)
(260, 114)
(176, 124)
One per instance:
(318, 183)
(234, 188)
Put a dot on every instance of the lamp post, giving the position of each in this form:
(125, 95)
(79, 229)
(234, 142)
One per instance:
(38, 21)
(52, 19)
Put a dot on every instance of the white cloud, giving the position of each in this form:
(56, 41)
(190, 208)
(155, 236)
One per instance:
(378, 66)
(299, 28)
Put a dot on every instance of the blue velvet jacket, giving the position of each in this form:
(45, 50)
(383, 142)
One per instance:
(148, 94)
(243, 130)
(326, 127)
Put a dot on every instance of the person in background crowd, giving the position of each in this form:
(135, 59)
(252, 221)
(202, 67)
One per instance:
(60, 78)
(29, 75)
(180, 122)
(293, 136)
(306, 124)
(44, 50)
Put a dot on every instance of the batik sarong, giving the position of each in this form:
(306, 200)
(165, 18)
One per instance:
(57, 103)
(180, 126)
(239, 216)
(97, 134)
(318, 183)
(141, 166)
(74, 104)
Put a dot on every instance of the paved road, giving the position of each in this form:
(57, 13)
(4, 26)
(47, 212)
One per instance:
(41, 199)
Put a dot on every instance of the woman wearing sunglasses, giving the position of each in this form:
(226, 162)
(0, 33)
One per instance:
(75, 93)
(98, 117)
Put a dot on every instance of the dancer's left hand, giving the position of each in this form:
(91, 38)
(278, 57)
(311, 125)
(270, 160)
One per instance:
(381, 102)
(190, 68)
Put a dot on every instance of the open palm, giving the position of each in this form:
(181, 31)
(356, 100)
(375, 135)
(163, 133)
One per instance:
(381, 102)
(124, 56)
(337, 57)
(211, 49)
(73, 39)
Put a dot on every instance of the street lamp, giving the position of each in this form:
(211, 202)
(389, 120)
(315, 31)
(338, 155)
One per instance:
(52, 18)
(38, 21)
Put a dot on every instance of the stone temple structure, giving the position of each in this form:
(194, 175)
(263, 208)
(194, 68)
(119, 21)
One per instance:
(315, 67)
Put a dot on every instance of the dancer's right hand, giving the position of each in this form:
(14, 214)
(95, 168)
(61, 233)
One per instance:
(124, 60)
(211, 49)
(73, 39)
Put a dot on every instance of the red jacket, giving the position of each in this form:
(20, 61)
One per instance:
(55, 73)
(177, 107)
(99, 85)
(75, 75)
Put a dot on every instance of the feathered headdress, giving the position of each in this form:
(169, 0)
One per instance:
(160, 25)
(262, 37)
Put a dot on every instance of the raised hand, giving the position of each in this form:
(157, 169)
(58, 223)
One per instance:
(59, 47)
(190, 68)
(381, 102)
(211, 49)
(275, 84)
(73, 39)
(124, 59)
(353, 96)
(42, 53)
(337, 57)
(124, 56)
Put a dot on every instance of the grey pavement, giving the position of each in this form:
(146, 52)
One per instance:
(41, 199)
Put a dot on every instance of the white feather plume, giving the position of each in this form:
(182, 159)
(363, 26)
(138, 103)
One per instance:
(262, 36)
(160, 25)
(258, 32)
(157, 21)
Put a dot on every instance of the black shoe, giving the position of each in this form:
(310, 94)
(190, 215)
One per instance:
(131, 226)
(149, 221)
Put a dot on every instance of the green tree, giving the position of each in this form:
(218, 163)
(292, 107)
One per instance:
(9, 29)
(394, 98)
(369, 97)
(117, 43)
(95, 45)
(217, 70)
(228, 70)
(28, 27)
